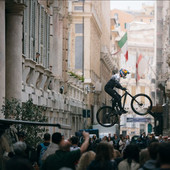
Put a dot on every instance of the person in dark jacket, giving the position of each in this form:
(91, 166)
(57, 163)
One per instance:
(63, 158)
(18, 160)
(46, 143)
(104, 158)
(114, 83)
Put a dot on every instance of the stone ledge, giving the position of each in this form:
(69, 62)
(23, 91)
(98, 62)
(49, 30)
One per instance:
(40, 68)
(30, 63)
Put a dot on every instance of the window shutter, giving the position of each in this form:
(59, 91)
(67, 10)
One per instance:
(45, 40)
(25, 45)
(44, 37)
(41, 33)
(36, 27)
(48, 41)
(32, 29)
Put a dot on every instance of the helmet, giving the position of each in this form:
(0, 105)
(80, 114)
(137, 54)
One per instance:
(123, 72)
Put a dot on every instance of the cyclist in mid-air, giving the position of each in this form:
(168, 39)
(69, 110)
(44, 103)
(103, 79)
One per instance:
(114, 83)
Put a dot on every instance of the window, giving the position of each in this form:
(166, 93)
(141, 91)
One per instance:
(116, 16)
(142, 128)
(125, 25)
(78, 8)
(25, 29)
(78, 28)
(78, 52)
(43, 37)
(36, 33)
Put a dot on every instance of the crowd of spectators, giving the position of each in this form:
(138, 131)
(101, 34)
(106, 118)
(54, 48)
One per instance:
(92, 153)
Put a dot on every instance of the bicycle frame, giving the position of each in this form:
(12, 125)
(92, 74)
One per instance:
(125, 95)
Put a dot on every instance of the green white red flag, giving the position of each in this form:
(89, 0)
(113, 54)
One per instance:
(124, 46)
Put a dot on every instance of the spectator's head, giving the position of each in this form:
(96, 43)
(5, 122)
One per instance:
(19, 148)
(104, 151)
(131, 152)
(116, 154)
(56, 137)
(21, 136)
(47, 137)
(85, 160)
(115, 136)
(121, 137)
(104, 138)
(160, 137)
(163, 154)
(74, 140)
(94, 137)
(65, 145)
(144, 156)
(153, 150)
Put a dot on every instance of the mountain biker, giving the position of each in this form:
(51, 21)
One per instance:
(114, 83)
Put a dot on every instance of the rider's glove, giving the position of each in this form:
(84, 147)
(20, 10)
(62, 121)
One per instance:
(123, 88)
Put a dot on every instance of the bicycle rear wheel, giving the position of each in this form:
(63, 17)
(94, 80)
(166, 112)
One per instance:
(106, 116)
(141, 104)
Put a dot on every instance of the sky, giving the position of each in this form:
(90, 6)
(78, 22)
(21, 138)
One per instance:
(131, 5)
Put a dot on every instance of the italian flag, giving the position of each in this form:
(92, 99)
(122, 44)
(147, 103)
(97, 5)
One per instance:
(124, 46)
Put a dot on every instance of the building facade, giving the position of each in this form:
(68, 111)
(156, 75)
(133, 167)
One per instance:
(122, 21)
(162, 61)
(56, 53)
(35, 60)
(139, 45)
(89, 54)
(139, 26)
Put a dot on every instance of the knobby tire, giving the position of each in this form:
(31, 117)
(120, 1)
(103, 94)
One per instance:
(147, 107)
(106, 116)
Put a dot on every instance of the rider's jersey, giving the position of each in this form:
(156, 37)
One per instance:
(114, 82)
(116, 77)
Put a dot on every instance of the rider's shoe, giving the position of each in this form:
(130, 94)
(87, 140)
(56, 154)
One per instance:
(122, 111)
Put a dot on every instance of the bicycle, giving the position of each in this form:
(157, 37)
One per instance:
(107, 116)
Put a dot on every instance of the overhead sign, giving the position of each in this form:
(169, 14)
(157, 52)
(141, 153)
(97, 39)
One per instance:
(138, 119)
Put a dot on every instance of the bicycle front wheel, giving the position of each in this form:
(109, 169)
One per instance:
(141, 104)
(106, 116)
